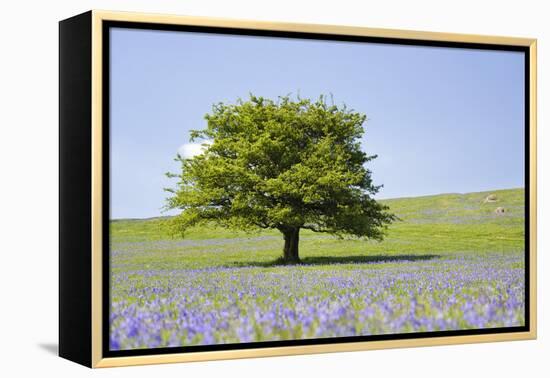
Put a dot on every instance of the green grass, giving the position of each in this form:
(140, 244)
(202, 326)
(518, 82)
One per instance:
(428, 226)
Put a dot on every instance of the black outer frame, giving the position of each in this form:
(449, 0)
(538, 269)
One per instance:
(75, 187)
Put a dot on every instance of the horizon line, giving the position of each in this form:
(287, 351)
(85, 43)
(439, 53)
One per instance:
(381, 199)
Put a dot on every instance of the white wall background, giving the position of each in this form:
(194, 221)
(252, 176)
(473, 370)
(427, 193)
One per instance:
(28, 186)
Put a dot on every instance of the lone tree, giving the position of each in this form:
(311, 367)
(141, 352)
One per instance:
(285, 165)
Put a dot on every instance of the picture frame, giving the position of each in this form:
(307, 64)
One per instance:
(85, 191)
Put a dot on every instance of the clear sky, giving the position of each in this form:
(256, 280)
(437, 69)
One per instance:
(441, 120)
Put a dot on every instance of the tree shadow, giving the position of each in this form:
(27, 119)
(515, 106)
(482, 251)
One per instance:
(329, 260)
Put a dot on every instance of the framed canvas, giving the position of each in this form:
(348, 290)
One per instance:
(234, 189)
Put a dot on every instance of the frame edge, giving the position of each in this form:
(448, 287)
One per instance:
(75, 83)
(311, 28)
(96, 189)
(533, 187)
(99, 16)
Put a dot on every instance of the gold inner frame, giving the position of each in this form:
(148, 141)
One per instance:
(97, 253)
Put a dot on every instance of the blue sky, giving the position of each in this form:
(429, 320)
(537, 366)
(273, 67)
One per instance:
(441, 120)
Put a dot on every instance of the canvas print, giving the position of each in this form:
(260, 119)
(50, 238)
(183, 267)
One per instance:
(270, 190)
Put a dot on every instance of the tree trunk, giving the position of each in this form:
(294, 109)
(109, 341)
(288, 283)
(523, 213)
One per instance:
(292, 239)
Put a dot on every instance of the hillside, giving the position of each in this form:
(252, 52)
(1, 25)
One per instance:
(441, 211)
(462, 208)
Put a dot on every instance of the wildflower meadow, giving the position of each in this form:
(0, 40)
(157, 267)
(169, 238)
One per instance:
(451, 262)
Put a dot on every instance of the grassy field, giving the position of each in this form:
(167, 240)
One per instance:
(450, 263)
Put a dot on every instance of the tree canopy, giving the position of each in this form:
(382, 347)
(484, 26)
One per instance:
(288, 164)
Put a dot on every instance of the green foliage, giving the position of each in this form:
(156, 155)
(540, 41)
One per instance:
(285, 165)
